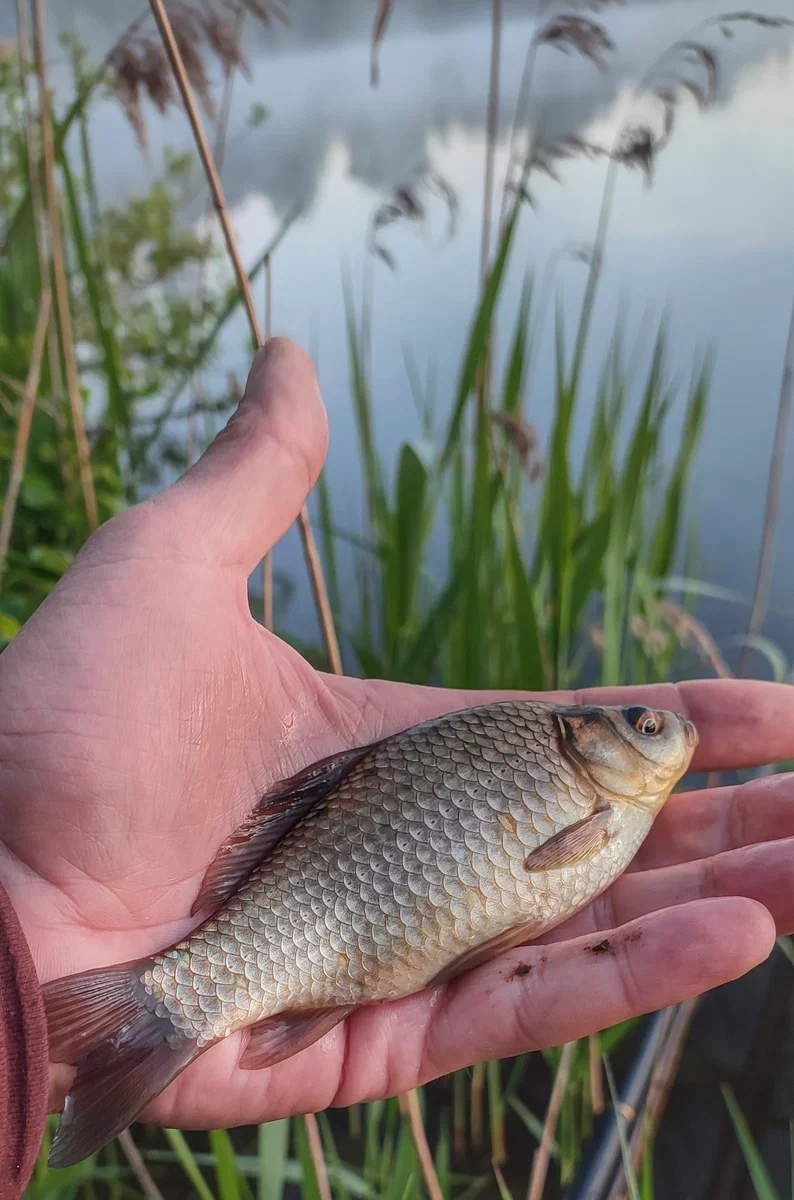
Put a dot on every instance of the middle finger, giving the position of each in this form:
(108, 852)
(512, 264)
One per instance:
(764, 873)
(697, 825)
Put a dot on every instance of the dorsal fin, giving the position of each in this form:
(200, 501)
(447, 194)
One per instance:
(279, 811)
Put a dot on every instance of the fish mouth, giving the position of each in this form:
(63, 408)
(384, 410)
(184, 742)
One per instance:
(691, 735)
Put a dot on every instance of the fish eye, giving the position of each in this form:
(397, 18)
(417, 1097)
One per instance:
(644, 720)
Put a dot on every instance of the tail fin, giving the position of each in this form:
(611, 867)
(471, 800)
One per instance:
(105, 1023)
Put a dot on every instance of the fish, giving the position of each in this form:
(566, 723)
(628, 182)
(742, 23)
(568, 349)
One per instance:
(376, 873)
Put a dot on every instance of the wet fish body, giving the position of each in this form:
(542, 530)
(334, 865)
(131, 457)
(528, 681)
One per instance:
(370, 876)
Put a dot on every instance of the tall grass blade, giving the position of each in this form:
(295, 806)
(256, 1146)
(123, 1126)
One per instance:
(188, 1163)
(478, 341)
(669, 524)
(761, 1179)
(620, 1124)
(404, 556)
(231, 1184)
(377, 505)
(272, 1148)
(530, 652)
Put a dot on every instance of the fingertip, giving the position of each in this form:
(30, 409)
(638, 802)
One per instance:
(252, 481)
(723, 938)
(283, 383)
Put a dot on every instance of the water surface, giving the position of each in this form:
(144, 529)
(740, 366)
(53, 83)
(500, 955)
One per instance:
(712, 240)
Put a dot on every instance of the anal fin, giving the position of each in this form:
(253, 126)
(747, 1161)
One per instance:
(572, 845)
(282, 1036)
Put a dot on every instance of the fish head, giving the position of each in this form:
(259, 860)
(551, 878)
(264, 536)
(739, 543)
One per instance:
(634, 754)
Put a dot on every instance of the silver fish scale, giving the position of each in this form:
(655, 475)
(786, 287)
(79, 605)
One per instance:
(414, 857)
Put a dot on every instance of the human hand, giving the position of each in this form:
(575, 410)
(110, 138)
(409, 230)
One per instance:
(143, 712)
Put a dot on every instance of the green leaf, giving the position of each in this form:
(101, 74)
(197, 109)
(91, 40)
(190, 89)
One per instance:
(257, 115)
(9, 627)
(589, 554)
(51, 558)
(422, 653)
(513, 394)
(786, 944)
(404, 562)
(39, 493)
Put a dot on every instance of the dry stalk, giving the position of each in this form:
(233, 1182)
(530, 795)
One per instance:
(268, 563)
(497, 17)
(409, 1103)
(42, 248)
(763, 581)
(219, 200)
(693, 633)
(540, 1167)
(139, 1169)
(318, 1158)
(378, 33)
(492, 134)
(17, 472)
(660, 1085)
(59, 272)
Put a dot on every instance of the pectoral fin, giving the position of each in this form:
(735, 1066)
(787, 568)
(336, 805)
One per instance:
(572, 845)
(275, 815)
(282, 1036)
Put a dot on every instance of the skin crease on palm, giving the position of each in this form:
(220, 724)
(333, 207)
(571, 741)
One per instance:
(143, 711)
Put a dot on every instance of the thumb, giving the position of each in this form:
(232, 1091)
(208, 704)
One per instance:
(250, 484)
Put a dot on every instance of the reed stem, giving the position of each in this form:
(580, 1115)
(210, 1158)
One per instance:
(492, 134)
(139, 1169)
(59, 272)
(268, 563)
(17, 472)
(318, 1158)
(219, 200)
(540, 1167)
(763, 581)
(411, 1105)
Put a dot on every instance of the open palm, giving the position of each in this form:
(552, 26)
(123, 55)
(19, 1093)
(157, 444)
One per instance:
(143, 712)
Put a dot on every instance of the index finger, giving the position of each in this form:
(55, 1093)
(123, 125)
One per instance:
(742, 723)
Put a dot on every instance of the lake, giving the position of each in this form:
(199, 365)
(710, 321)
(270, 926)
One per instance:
(712, 240)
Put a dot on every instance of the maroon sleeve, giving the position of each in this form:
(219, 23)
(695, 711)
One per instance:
(24, 1067)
